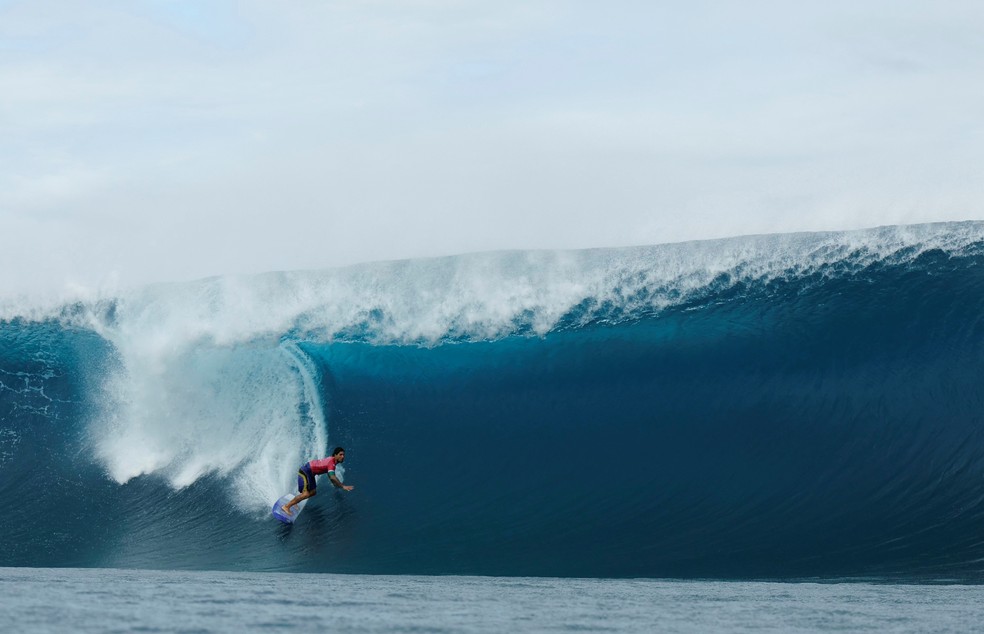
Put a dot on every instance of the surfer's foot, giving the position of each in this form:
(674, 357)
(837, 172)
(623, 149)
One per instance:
(285, 509)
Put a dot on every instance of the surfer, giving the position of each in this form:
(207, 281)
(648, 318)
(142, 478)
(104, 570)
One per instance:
(306, 484)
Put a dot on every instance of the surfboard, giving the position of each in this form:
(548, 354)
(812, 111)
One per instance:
(278, 511)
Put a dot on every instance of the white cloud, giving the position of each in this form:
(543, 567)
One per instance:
(168, 140)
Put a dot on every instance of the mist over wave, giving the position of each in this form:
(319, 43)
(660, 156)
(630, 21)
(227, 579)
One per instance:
(786, 405)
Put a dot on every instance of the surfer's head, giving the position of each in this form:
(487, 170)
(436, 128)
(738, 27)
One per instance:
(338, 454)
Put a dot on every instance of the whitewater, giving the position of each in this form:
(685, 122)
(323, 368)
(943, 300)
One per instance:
(780, 406)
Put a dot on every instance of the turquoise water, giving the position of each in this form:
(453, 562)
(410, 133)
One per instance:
(107, 600)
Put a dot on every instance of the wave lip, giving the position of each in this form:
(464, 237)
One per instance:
(486, 295)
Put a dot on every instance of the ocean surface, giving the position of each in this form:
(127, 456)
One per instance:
(106, 600)
(760, 408)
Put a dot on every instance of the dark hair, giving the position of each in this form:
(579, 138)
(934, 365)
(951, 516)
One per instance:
(337, 450)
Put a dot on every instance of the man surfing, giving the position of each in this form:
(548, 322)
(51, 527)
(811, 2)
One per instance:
(306, 484)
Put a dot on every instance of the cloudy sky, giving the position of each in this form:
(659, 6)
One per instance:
(153, 140)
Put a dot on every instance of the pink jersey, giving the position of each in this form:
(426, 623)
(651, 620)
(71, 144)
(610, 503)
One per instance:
(325, 465)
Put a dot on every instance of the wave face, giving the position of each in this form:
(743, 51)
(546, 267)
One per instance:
(773, 406)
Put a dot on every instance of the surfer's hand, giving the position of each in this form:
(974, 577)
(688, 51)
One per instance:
(348, 488)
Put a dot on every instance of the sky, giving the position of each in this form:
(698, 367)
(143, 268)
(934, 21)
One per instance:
(155, 140)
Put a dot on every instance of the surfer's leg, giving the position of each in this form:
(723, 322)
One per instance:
(297, 498)
(306, 487)
(300, 497)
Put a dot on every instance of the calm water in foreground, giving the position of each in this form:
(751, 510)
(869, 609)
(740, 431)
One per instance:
(101, 600)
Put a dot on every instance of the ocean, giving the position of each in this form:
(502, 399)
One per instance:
(764, 408)
(107, 600)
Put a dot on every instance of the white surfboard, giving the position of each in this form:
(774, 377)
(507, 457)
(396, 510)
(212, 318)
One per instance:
(278, 511)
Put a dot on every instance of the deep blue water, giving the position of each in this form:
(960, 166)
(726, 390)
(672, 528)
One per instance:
(773, 407)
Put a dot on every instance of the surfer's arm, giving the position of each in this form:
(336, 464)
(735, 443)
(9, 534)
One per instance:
(338, 483)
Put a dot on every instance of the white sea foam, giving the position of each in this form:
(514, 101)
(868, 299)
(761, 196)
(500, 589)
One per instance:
(252, 413)
(481, 296)
(209, 382)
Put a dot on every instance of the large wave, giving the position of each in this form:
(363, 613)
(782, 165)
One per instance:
(787, 405)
